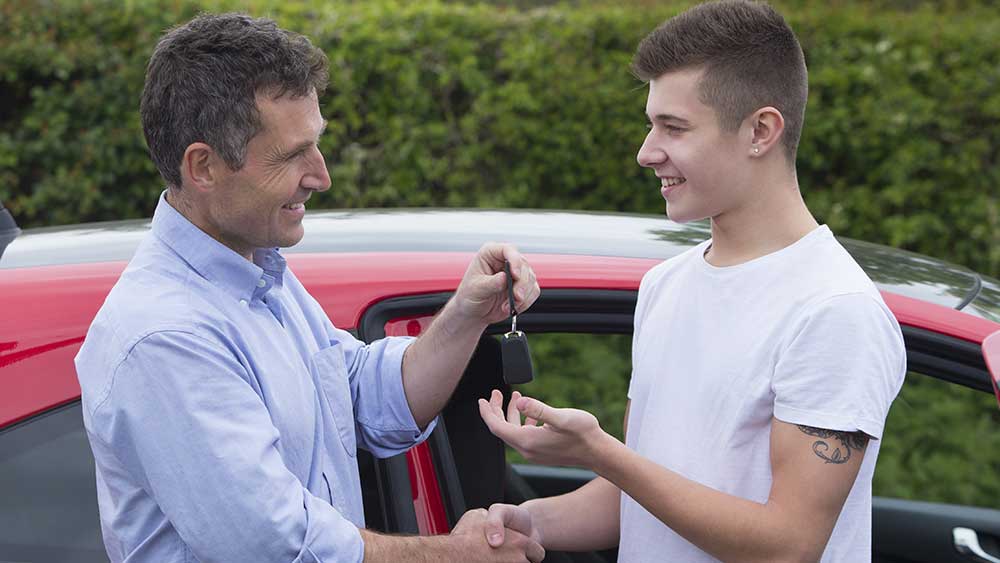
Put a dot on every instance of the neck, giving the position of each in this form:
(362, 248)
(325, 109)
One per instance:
(775, 217)
(190, 211)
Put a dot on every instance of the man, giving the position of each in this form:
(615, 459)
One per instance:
(223, 408)
(764, 360)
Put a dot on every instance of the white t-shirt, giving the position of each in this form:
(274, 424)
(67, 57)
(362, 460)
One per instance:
(801, 334)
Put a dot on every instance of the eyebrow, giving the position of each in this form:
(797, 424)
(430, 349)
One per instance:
(670, 117)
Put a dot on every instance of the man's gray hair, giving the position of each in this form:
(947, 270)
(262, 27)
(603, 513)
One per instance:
(203, 79)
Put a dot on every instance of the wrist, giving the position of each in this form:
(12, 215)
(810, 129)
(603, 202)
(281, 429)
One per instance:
(605, 450)
(536, 508)
(457, 322)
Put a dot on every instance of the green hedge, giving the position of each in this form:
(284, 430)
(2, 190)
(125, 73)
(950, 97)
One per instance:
(477, 105)
(451, 104)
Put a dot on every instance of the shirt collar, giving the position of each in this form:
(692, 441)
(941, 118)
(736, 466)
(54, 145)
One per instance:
(214, 261)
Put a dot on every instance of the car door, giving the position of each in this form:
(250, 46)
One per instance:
(580, 341)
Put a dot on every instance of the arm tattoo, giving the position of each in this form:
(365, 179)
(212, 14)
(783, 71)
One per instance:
(841, 453)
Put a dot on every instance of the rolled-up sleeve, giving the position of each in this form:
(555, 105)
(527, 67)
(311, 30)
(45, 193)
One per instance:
(383, 419)
(183, 417)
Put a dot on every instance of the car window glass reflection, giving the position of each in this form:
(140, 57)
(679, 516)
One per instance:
(48, 504)
(940, 445)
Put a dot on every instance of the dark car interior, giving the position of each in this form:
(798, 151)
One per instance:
(477, 474)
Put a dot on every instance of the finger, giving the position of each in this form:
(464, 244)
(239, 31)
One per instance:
(496, 402)
(493, 417)
(526, 291)
(495, 283)
(484, 410)
(513, 415)
(522, 277)
(496, 524)
(513, 517)
(528, 421)
(529, 299)
(516, 259)
(534, 551)
(533, 408)
(492, 408)
(498, 426)
(494, 254)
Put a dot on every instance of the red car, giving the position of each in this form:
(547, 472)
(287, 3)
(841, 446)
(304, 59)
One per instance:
(382, 272)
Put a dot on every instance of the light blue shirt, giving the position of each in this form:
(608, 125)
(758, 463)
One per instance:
(224, 409)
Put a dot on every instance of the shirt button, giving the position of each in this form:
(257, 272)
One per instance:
(243, 302)
(261, 283)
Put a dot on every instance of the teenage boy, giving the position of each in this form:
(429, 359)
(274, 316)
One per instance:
(764, 359)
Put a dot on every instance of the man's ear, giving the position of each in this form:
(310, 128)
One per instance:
(767, 127)
(200, 167)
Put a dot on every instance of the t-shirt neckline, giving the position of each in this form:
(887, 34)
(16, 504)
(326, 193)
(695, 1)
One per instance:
(819, 232)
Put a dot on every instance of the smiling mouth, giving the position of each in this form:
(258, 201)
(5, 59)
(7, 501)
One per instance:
(294, 206)
(670, 182)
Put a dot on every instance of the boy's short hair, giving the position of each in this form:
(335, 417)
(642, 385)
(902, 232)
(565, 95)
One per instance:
(750, 56)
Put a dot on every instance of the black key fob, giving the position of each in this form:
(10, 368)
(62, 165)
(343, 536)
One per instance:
(516, 358)
(514, 351)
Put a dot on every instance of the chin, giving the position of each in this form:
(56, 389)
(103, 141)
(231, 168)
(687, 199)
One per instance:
(678, 216)
(290, 239)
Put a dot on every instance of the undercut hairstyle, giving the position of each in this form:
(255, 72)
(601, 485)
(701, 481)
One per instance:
(203, 78)
(750, 57)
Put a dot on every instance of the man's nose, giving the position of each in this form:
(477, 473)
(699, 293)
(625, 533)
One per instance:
(318, 177)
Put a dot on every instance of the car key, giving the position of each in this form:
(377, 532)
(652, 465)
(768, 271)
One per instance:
(514, 346)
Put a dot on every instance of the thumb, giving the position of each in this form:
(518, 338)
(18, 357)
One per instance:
(533, 408)
(495, 526)
(496, 282)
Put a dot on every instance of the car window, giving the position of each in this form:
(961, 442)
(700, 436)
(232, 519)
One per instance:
(941, 444)
(941, 440)
(586, 371)
(48, 502)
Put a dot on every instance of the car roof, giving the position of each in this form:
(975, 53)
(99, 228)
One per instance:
(534, 231)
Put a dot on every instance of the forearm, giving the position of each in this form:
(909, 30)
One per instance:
(583, 520)
(381, 548)
(433, 365)
(728, 527)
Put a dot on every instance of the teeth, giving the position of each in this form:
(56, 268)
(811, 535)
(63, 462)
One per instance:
(294, 206)
(673, 181)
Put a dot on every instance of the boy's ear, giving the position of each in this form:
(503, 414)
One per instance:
(767, 126)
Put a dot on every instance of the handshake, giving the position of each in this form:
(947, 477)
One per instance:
(508, 533)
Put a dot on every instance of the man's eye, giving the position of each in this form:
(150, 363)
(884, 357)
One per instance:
(649, 126)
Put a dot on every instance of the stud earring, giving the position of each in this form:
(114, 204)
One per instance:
(756, 150)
